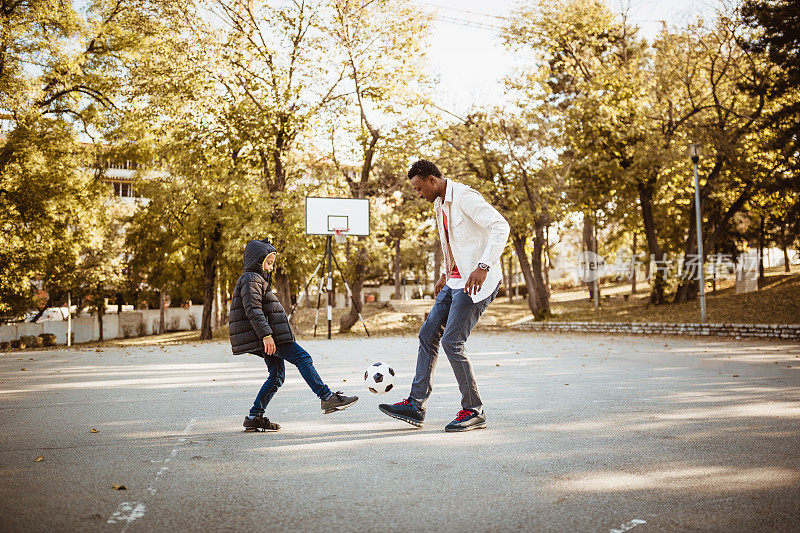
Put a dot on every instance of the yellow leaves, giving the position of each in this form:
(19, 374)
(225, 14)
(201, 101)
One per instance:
(119, 487)
(38, 459)
(93, 430)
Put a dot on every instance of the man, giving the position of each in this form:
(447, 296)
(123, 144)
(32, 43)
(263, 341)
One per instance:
(473, 235)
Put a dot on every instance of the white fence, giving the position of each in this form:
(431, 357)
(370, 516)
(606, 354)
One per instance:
(126, 324)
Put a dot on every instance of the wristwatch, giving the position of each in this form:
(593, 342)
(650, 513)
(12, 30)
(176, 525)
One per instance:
(483, 266)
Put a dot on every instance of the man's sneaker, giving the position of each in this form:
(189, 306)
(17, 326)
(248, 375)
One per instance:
(466, 420)
(337, 402)
(259, 423)
(405, 411)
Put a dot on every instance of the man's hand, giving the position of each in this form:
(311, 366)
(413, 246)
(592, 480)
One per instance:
(439, 285)
(269, 346)
(475, 281)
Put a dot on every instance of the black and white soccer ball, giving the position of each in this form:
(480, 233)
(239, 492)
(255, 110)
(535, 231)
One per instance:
(379, 378)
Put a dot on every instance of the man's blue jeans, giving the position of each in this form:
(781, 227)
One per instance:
(295, 354)
(450, 322)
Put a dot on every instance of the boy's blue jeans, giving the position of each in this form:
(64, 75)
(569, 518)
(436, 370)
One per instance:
(295, 354)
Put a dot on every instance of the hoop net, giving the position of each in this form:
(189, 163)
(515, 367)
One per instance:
(340, 235)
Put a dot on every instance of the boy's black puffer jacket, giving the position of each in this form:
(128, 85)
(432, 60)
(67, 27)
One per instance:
(255, 311)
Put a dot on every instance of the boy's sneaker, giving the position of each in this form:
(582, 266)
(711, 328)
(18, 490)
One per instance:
(337, 402)
(259, 423)
(466, 420)
(405, 411)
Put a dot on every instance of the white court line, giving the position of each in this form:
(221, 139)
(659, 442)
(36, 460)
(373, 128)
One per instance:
(129, 511)
(627, 527)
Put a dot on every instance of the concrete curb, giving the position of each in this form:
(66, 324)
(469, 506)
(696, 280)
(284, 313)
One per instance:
(772, 331)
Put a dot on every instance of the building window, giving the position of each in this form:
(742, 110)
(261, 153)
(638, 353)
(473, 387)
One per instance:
(126, 190)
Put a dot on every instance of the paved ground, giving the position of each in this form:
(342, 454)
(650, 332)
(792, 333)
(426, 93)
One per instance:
(586, 433)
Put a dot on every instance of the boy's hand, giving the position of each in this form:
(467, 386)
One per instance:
(269, 346)
(439, 285)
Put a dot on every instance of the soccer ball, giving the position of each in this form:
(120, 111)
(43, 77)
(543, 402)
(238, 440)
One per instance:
(379, 378)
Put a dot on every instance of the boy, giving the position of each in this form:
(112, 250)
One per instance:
(258, 325)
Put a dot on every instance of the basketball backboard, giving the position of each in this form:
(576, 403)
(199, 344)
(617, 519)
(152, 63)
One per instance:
(326, 215)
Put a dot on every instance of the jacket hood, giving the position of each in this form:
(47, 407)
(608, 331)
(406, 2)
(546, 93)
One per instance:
(254, 254)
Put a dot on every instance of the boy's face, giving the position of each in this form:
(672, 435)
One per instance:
(269, 262)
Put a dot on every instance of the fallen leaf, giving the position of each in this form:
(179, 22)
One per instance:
(38, 459)
(736, 375)
(24, 369)
(566, 384)
(498, 364)
(93, 430)
(119, 487)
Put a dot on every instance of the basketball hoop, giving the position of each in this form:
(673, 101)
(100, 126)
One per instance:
(340, 235)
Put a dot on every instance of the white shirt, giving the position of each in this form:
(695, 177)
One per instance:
(477, 232)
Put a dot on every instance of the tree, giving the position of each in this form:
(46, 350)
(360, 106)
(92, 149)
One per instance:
(379, 44)
(775, 35)
(499, 154)
(61, 74)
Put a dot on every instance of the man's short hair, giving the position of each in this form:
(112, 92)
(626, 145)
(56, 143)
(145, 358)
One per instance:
(424, 168)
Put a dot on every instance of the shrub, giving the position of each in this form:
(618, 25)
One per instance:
(126, 331)
(141, 328)
(31, 341)
(173, 324)
(5, 345)
(18, 343)
(48, 339)
(192, 322)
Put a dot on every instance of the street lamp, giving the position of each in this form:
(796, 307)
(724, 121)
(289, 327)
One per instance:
(694, 154)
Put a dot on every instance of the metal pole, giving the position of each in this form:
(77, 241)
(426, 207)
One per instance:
(700, 245)
(330, 283)
(69, 318)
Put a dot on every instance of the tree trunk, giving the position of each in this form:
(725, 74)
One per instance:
(162, 312)
(349, 319)
(224, 304)
(633, 265)
(541, 289)
(785, 247)
(282, 287)
(534, 299)
(510, 278)
(217, 305)
(398, 271)
(588, 245)
(101, 310)
(761, 239)
(211, 249)
(547, 263)
(646, 189)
